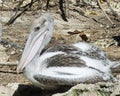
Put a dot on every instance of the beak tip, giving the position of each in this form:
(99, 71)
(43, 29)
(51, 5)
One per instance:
(18, 70)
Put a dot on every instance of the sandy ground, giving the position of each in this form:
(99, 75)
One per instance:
(99, 33)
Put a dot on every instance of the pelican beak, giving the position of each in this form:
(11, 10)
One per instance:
(36, 42)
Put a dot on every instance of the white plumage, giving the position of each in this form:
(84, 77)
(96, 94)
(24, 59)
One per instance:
(61, 64)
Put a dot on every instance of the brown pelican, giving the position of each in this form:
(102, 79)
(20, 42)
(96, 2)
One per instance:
(61, 64)
(0, 32)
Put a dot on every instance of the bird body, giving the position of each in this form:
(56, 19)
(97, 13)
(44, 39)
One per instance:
(61, 64)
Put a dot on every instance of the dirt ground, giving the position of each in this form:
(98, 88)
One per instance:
(93, 23)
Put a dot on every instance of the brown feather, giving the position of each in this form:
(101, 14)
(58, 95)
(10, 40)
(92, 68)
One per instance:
(66, 60)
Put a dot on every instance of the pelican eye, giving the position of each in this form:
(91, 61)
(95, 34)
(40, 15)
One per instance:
(37, 28)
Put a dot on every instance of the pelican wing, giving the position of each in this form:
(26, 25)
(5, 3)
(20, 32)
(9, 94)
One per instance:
(91, 50)
(46, 80)
(65, 60)
(68, 69)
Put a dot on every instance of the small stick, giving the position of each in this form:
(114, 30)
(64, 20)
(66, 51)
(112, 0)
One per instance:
(62, 11)
(18, 15)
(105, 12)
(47, 4)
(113, 12)
(67, 8)
(8, 64)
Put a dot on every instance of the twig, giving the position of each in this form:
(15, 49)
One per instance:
(62, 11)
(67, 8)
(79, 12)
(113, 12)
(47, 4)
(105, 12)
(7, 64)
(8, 72)
(97, 21)
(83, 14)
(15, 17)
(18, 15)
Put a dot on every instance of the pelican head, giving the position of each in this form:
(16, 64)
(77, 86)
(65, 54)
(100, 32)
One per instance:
(40, 35)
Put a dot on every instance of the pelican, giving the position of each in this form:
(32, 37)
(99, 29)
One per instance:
(0, 32)
(61, 64)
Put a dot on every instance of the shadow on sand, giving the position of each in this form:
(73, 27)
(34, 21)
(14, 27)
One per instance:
(29, 90)
(117, 39)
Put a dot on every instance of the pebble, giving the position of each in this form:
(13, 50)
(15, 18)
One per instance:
(4, 91)
(3, 56)
(12, 52)
(105, 43)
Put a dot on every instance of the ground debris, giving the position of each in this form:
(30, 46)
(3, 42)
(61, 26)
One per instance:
(99, 89)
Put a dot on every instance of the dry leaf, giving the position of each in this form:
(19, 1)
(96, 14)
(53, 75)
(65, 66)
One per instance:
(80, 33)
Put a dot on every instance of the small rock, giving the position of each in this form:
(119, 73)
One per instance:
(12, 52)
(101, 25)
(13, 85)
(98, 89)
(1, 1)
(4, 91)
